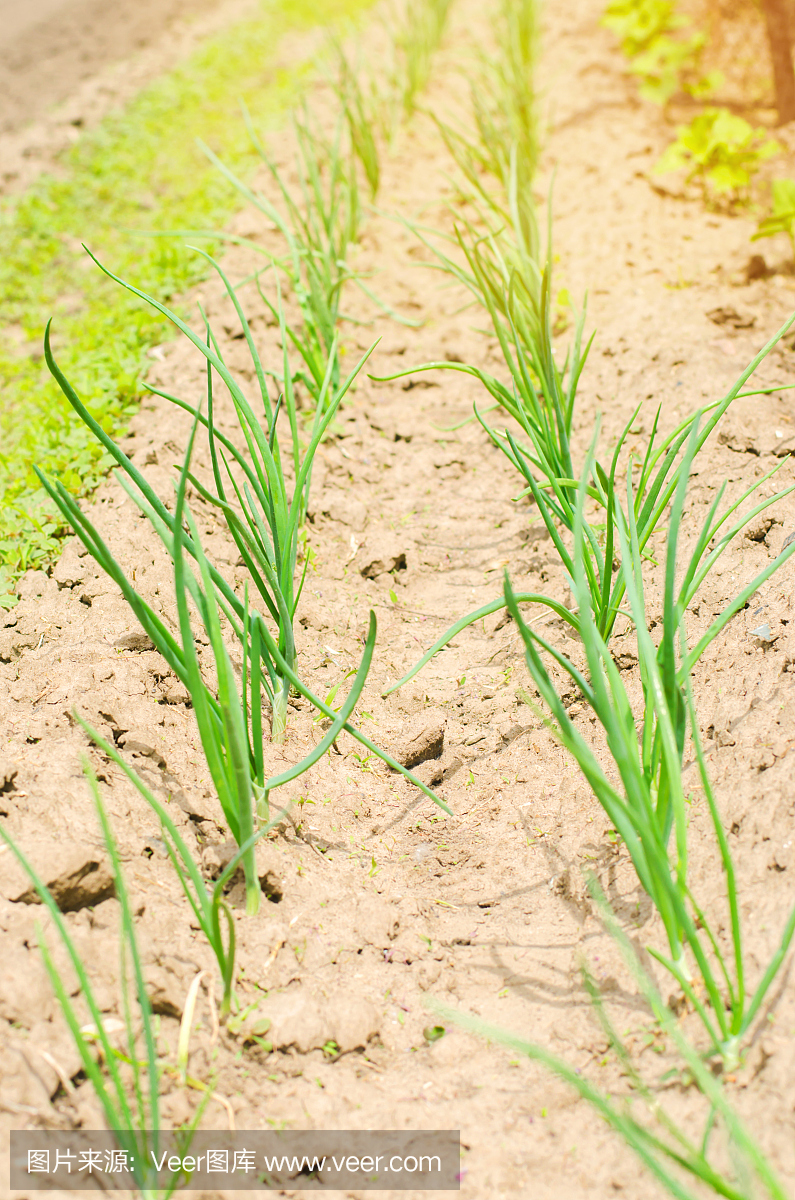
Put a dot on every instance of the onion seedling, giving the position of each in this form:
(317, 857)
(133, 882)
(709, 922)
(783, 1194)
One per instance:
(319, 225)
(390, 95)
(267, 518)
(416, 42)
(361, 114)
(129, 1087)
(505, 145)
(230, 724)
(650, 809)
(542, 403)
(266, 527)
(208, 907)
(318, 221)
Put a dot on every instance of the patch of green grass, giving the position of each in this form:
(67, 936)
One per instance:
(139, 170)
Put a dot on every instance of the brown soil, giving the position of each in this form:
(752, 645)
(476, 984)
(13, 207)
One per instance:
(64, 64)
(376, 902)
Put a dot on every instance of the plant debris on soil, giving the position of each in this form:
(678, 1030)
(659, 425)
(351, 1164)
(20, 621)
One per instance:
(376, 901)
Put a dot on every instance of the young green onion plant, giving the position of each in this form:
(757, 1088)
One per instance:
(264, 498)
(504, 147)
(360, 109)
(319, 223)
(542, 402)
(271, 491)
(129, 1087)
(375, 103)
(675, 1156)
(417, 41)
(650, 810)
(501, 269)
(517, 30)
(209, 907)
(231, 723)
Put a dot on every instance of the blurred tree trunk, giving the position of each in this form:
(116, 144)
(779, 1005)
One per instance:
(778, 36)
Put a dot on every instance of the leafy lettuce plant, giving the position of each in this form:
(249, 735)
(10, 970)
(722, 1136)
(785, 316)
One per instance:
(721, 152)
(664, 64)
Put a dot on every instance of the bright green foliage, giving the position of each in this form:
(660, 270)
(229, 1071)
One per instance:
(640, 23)
(416, 43)
(129, 1086)
(664, 64)
(376, 100)
(139, 170)
(208, 907)
(319, 222)
(230, 727)
(661, 66)
(782, 218)
(263, 514)
(505, 147)
(518, 48)
(541, 398)
(231, 724)
(265, 524)
(358, 107)
(653, 807)
(721, 151)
